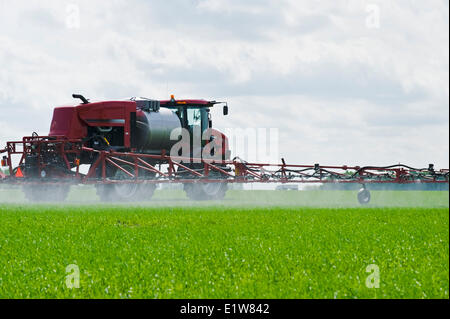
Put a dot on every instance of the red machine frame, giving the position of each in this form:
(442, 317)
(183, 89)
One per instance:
(206, 171)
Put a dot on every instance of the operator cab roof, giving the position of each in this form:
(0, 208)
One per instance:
(164, 103)
(175, 103)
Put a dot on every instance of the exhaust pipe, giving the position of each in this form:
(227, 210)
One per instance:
(81, 97)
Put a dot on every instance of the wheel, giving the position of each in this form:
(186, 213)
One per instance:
(205, 191)
(127, 191)
(119, 193)
(364, 196)
(46, 193)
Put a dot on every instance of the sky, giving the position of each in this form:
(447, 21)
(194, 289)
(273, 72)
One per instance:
(344, 82)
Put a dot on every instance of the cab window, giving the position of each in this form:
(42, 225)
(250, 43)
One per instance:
(194, 117)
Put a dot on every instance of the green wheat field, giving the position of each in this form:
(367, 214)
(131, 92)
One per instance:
(253, 244)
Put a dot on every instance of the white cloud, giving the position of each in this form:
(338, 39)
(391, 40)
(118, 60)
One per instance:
(312, 68)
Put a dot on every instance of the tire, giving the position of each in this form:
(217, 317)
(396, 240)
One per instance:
(206, 191)
(364, 196)
(133, 192)
(46, 193)
(142, 192)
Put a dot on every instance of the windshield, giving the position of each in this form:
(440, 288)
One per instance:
(194, 117)
(196, 121)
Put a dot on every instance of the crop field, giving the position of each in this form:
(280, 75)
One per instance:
(253, 244)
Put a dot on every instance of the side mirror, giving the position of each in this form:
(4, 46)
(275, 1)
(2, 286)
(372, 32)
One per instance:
(225, 110)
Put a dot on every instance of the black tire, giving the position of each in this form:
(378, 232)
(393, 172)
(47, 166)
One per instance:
(46, 193)
(133, 192)
(206, 191)
(108, 193)
(364, 196)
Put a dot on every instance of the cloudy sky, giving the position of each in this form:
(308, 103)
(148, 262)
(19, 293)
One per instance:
(345, 81)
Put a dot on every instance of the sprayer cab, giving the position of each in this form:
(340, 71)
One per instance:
(193, 114)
